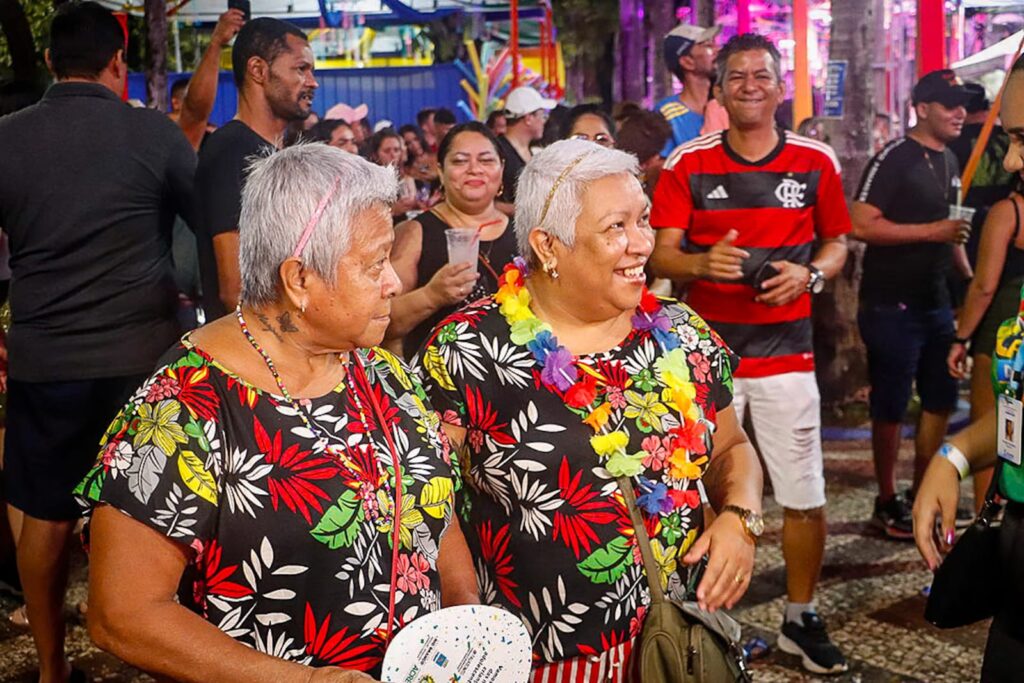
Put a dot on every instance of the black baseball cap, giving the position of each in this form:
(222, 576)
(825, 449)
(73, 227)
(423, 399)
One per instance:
(978, 98)
(942, 86)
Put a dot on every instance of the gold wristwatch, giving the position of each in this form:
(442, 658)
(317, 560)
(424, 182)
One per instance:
(753, 522)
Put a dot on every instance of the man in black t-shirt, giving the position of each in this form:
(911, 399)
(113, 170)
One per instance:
(273, 70)
(906, 317)
(525, 114)
(89, 188)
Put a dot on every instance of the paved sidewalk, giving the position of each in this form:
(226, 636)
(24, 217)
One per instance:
(870, 592)
(870, 595)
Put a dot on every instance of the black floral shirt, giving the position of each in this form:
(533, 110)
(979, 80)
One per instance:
(545, 521)
(292, 542)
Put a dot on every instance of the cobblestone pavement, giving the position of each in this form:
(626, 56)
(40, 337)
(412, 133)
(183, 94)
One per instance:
(870, 596)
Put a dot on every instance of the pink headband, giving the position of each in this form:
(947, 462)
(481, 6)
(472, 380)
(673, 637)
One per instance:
(307, 232)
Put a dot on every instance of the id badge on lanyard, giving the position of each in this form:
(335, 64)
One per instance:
(1008, 418)
(1009, 426)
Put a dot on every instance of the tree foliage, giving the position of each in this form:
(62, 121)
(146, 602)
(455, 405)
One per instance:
(38, 13)
(586, 29)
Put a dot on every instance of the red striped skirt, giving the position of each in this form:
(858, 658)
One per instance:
(608, 667)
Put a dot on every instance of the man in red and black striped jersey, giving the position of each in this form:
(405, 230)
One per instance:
(749, 203)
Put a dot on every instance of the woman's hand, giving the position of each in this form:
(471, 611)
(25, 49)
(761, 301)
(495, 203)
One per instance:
(956, 361)
(730, 551)
(936, 499)
(332, 674)
(404, 206)
(452, 283)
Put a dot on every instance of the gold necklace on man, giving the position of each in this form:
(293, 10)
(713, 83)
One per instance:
(944, 183)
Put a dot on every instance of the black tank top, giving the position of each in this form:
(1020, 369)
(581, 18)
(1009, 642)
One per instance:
(1013, 268)
(494, 255)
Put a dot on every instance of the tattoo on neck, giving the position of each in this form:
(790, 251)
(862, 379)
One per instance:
(285, 321)
(265, 321)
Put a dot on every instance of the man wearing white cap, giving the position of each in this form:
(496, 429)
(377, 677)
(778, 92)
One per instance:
(525, 112)
(690, 55)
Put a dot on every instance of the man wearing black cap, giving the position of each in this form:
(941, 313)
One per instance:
(902, 211)
(991, 181)
(690, 55)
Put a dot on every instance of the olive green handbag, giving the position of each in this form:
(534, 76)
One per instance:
(680, 642)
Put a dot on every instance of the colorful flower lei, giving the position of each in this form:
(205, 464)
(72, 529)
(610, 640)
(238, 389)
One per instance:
(591, 394)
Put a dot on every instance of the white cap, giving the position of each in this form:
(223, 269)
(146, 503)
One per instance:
(525, 100)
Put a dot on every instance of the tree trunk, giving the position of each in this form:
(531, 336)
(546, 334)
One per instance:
(704, 12)
(575, 80)
(156, 49)
(839, 352)
(660, 19)
(20, 42)
(630, 64)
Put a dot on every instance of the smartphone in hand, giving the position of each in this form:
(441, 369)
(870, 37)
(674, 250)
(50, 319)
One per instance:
(765, 272)
(241, 5)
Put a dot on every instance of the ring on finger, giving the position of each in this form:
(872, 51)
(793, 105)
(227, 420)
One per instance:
(740, 577)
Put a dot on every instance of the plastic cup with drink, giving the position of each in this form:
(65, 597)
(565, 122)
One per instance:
(463, 245)
(959, 212)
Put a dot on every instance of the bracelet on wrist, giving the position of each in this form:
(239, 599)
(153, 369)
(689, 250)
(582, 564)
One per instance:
(956, 458)
(965, 341)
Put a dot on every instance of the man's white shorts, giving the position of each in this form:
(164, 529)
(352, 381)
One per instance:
(785, 411)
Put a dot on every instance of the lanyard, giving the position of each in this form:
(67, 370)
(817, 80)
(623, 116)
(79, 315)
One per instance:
(1012, 386)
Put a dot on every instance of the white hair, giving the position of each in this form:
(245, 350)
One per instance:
(282, 192)
(542, 184)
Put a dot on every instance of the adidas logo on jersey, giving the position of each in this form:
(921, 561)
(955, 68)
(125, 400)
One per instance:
(718, 193)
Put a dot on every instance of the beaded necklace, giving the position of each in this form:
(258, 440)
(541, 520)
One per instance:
(322, 438)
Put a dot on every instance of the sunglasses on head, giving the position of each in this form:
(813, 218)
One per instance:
(602, 139)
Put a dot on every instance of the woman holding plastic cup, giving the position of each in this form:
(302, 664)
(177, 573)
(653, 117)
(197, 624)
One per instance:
(455, 252)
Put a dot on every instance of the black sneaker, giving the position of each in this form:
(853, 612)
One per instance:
(894, 518)
(811, 643)
(964, 518)
(964, 514)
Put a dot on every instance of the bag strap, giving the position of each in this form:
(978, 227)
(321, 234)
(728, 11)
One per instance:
(993, 486)
(643, 540)
(1016, 216)
(991, 504)
(396, 519)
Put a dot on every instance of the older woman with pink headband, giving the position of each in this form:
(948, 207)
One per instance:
(275, 502)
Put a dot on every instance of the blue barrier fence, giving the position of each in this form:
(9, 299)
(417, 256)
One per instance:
(393, 93)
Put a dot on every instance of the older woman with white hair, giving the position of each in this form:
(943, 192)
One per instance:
(276, 500)
(571, 377)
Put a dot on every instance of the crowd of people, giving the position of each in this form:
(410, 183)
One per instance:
(246, 355)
